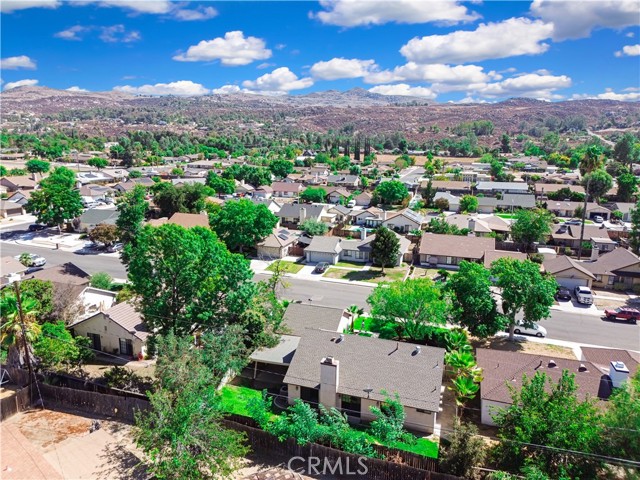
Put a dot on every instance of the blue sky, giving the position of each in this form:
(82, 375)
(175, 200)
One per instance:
(439, 50)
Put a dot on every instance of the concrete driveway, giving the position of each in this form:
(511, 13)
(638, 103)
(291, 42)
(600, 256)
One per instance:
(573, 306)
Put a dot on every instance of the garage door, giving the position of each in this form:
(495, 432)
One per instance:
(572, 283)
(315, 257)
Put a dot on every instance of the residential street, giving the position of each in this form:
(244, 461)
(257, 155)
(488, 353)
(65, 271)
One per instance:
(580, 328)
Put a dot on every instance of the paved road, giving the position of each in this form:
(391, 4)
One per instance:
(580, 328)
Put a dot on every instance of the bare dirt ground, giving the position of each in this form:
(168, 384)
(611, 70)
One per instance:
(502, 343)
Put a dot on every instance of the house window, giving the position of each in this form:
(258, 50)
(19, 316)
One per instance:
(95, 341)
(612, 280)
(126, 347)
(420, 410)
(598, 278)
(351, 405)
(359, 255)
(347, 253)
(449, 260)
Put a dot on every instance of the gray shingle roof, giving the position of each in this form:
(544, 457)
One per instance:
(612, 261)
(324, 245)
(455, 245)
(299, 317)
(292, 210)
(372, 363)
(562, 263)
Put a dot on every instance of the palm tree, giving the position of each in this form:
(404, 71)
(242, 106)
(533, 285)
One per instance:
(354, 312)
(464, 389)
(11, 328)
(591, 160)
(457, 340)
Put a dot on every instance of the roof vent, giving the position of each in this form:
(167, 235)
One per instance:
(552, 364)
(582, 368)
(340, 338)
(417, 350)
(328, 360)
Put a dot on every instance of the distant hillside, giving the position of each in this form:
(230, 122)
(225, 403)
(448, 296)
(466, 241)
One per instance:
(349, 112)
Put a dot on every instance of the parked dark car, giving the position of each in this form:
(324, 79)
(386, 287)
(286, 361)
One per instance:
(321, 267)
(563, 293)
(622, 313)
(35, 227)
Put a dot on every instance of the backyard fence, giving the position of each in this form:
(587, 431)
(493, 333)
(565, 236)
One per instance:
(18, 402)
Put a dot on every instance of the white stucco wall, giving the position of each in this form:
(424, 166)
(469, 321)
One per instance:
(110, 334)
(293, 393)
(488, 408)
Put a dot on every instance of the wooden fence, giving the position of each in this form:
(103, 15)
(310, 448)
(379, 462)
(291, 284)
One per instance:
(13, 404)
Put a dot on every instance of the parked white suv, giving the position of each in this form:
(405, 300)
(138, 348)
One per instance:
(584, 295)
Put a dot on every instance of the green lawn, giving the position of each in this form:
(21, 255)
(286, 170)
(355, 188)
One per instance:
(505, 215)
(234, 399)
(372, 276)
(423, 446)
(350, 264)
(289, 267)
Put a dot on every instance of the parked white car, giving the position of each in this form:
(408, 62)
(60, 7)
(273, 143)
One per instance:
(36, 260)
(584, 295)
(536, 330)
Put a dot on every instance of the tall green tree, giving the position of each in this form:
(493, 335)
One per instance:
(56, 348)
(98, 162)
(219, 184)
(590, 161)
(313, 227)
(314, 195)
(37, 166)
(242, 224)
(531, 226)
(132, 208)
(11, 328)
(57, 200)
(468, 204)
(627, 187)
(550, 415)
(598, 183)
(391, 192)
(3, 171)
(413, 306)
(186, 279)
(185, 199)
(523, 288)
(385, 248)
(473, 304)
(466, 451)
(626, 151)
(182, 434)
(281, 168)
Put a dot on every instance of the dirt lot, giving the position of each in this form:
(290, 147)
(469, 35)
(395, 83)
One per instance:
(502, 343)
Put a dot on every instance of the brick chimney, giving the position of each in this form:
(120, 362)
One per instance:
(329, 381)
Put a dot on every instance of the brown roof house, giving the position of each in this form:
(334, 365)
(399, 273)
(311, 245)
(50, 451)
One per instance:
(10, 269)
(450, 250)
(119, 330)
(286, 190)
(618, 269)
(18, 182)
(568, 272)
(189, 220)
(10, 209)
(351, 372)
(604, 357)
(278, 244)
(503, 370)
(569, 235)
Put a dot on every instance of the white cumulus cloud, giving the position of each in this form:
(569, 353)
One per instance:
(15, 63)
(352, 13)
(179, 88)
(8, 6)
(404, 90)
(73, 33)
(118, 33)
(532, 85)
(227, 89)
(628, 51)
(576, 19)
(29, 82)
(200, 13)
(511, 37)
(281, 80)
(433, 73)
(232, 50)
(136, 6)
(76, 89)
(337, 68)
(632, 96)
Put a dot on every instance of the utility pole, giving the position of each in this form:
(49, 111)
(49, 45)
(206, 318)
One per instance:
(16, 287)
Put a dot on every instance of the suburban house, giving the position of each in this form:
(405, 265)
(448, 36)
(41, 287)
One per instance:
(603, 357)
(451, 186)
(243, 188)
(508, 201)
(491, 256)
(118, 330)
(342, 213)
(329, 368)
(363, 199)
(569, 235)
(263, 192)
(504, 370)
(293, 214)
(543, 189)
(11, 269)
(348, 181)
(403, 221)
(10, 209)
(20, 197)
(568, 209)
(493, 188)
(334, 249)
(337, 195)
(618, 269)
(480, 227)
(286, 189)
(568, 272)
(278, 244)
(601, 245)
(450, 250)
(625, 209)
(18, 182)
(272, 205)
(454, 202)
(372, 217)
(189, 220)
(95, 216)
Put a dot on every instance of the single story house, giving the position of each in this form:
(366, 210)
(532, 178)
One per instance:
(508, 201)
(348, 181)
(243, 188)
(371, 217)
(323, 249)
(327, 368)
(454, 202)
(625, 209)
(404, 221)
(602, 358)
(618, 269)
(293, 214)
(10, 269)
(363, 199)
(273, 206)
(277, 244)
(263, 192)
(491, 256)
(118, 330)
(561, 208)
(600, 245)
(20, 197)
(504, 370)
(450, 250)
(337, 195)
(14, 183)
(286, 189)
(480, 227)
(342, 213)
(569, 235)
(569, 272)
(451, 186)
(10, 209)
(493, 188)
(95, 216)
